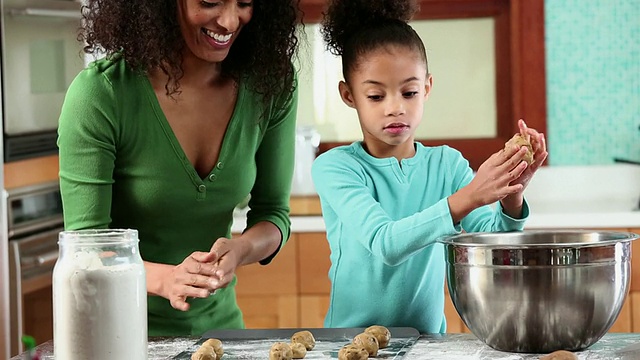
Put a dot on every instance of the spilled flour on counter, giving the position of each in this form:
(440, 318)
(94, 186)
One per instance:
(259, 349)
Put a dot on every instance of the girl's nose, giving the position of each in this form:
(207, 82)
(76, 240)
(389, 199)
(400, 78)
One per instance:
(229, 17)
(395, 107)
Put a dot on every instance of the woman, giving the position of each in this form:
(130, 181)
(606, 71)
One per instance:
(192, 110)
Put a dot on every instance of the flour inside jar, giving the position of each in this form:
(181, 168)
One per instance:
(100, 308)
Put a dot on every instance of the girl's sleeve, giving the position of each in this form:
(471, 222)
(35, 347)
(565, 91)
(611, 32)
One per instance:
(342, 187)
(86, 141)
(275, 161)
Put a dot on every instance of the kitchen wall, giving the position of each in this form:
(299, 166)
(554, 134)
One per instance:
(593, 80)
(461, 60)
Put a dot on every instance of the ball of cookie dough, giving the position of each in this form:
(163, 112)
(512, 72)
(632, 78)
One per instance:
(216, 345)
(298, 350)
(305, 338)
(204, 352)
(368, 342)
(382, 334)
(520, 140)
(280, 351)
(560, 355)
(352, 352)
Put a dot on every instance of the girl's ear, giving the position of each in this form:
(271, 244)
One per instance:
(428, 86)
(346, 95)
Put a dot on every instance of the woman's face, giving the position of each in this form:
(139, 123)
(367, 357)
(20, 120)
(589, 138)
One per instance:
(210, 27)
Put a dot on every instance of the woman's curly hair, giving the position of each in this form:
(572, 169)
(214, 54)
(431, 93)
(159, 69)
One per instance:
(147, 34)
(352, 28)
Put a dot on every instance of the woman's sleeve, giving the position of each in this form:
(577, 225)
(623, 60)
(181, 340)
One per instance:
(343, 189)
(275, 161)
(86, 140)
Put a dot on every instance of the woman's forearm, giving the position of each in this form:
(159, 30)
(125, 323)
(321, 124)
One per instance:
(259, 242)
(155, 274)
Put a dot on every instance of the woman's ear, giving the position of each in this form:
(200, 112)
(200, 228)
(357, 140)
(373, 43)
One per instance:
(346, 94)
(428, 86)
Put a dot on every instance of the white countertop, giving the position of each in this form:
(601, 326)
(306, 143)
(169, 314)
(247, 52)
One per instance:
(583, 220)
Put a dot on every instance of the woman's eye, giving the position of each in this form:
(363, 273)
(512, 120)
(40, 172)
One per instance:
(209, 4)
(245, 4)
(410, 94)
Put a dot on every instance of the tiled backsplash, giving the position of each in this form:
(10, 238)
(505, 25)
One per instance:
(593, 80)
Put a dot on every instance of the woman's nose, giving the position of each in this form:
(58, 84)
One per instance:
(229, 17)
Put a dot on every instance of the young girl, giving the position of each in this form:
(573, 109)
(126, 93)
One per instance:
(386, 199)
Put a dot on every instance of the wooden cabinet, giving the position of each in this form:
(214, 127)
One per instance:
(269, 295)
(313, 309)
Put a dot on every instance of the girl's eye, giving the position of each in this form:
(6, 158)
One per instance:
(410, 94)
(374, 97)
(245, 4)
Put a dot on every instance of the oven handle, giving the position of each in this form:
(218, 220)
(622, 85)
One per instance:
(43, 260)
(48, 258)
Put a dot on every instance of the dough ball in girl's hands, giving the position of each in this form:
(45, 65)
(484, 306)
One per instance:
(368, 342)
(381, 333)
(352, 352)
(216, 345)
(305, 338)
(280, 351)
(520, 140)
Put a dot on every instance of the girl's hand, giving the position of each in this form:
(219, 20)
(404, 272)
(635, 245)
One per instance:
(512, 204)
(495, 177)
(492, 182)
(539, 147)
(194, 277)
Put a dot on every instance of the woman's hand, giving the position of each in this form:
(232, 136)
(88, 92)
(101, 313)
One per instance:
(194, 277)
(227, 255)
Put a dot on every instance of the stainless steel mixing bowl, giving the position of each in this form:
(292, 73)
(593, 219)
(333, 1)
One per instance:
(539, 291)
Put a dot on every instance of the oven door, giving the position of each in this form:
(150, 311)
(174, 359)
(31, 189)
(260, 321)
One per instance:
(40, 58)
(31, 262)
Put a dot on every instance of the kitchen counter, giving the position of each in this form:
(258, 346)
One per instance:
(617, 346)
(546, 220)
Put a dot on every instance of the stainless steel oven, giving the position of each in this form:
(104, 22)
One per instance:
(40, 57)
(34, 222)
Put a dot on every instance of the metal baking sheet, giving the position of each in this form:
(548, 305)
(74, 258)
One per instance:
(252, 344)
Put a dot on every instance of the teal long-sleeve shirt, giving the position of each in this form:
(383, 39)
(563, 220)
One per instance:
(383, 218)
(121, 166)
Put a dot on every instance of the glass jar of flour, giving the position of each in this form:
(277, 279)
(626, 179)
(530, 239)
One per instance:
(99, 296)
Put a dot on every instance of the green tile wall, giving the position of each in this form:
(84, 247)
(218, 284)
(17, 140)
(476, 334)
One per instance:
(593, 80)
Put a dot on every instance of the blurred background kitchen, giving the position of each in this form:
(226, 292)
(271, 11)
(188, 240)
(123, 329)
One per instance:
(571, 68)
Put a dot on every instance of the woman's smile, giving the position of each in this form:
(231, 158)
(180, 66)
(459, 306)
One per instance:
(217, 40)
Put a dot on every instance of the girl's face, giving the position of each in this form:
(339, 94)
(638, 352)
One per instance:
(209, 27)
(388, 89)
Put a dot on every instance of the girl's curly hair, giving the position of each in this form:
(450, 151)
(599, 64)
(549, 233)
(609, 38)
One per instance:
(147, 34)
(352, 28)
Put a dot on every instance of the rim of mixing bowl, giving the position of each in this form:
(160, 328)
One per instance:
(538, 238)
